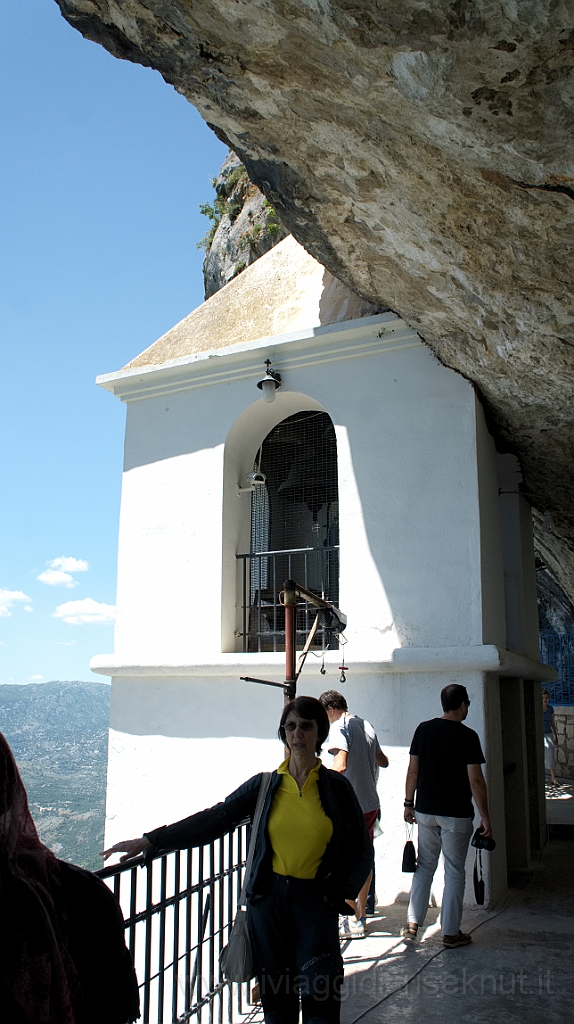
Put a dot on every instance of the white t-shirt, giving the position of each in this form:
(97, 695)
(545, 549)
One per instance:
(359, 739)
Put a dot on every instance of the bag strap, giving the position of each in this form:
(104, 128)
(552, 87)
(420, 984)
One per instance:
(263, 789)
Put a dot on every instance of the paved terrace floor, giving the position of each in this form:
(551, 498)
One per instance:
(560, 802)
(518, 970)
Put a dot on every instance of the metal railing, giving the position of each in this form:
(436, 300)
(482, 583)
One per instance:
(178, 911)
(262, 576)
(557, 649)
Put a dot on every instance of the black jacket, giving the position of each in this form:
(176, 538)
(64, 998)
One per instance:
(96, 943)
(348, 858)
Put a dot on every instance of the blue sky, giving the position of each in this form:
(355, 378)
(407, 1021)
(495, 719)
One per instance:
(103, 170)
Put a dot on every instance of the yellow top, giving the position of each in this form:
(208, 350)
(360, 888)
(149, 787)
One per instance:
(298, 827)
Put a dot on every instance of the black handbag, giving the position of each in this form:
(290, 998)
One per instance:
(477, 879)
(409, 852)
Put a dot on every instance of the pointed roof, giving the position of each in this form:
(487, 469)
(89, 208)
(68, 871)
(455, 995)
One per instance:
(285, 290)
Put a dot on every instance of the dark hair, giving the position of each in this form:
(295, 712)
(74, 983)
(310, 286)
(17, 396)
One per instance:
(311, 709)
(546, 693)
(453, 696)
(333, 699)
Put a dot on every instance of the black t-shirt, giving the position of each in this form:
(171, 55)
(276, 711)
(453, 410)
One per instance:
(444, 749)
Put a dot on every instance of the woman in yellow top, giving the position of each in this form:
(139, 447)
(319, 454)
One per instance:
(312, 855)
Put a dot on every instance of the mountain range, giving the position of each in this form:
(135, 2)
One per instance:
(58, 732)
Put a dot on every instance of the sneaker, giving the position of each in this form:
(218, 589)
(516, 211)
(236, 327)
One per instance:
(409, 932)
(357, 928)
(344, 930)
(452, 941)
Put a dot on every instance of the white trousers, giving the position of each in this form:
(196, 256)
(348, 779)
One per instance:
(549, 751)
(451, 836)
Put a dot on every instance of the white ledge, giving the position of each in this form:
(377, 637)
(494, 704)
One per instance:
(403, 660)
(351, 339)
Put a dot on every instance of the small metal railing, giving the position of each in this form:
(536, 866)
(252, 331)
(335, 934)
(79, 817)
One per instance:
(557, 649)
(263, 616)
(178, 912)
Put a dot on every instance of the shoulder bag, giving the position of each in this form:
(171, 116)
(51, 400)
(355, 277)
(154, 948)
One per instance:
(409, 853)
(236, 958)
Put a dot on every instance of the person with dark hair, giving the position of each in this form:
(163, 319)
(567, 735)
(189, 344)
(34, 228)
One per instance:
(312, 854)
(63, 958)
(445, 773)
(356, 753)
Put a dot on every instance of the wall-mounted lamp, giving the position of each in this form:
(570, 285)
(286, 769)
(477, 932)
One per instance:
(254, 480)
(269, 383)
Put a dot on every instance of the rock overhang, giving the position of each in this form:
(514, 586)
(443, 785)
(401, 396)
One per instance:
(423, 155)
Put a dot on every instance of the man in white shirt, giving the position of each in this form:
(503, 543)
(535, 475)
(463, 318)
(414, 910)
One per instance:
(353, 744)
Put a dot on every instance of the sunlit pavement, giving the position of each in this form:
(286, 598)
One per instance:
(518, 969)
(560, 802)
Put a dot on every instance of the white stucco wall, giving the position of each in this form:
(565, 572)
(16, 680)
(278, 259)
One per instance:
(420, 568)
(409, 518)
(178, 745)
(492, 562)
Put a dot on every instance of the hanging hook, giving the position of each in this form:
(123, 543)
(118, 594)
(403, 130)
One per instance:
(323, 670)
(343, 668)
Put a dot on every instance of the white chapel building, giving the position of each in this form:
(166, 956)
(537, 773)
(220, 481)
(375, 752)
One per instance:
(380, 490)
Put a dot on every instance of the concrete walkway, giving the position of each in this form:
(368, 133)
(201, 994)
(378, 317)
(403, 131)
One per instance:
(560, 802)
(518, 970)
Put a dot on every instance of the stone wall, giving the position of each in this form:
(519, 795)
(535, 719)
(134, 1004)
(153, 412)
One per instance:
(564, 717)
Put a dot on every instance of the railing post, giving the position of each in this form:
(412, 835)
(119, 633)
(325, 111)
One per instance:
(290, 601)
(199, 911)
(245, 604)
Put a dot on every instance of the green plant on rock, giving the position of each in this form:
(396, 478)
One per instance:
(205, 242)
(228, 202)
(238, 176)
(238, 269)
(233, 208)
(250, 238)
(272, 223)
(214, 215)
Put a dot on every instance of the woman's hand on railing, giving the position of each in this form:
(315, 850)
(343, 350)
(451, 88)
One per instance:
(129, 847)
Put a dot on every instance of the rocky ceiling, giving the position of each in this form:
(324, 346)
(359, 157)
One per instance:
(422, 151)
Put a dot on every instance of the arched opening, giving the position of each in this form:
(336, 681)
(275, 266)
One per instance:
(294, 530)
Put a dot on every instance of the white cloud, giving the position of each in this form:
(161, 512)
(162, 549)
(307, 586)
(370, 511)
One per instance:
(57, 578)
(69, 564)
(8, 598)
(66, 643)
(86, 611)
(35, 679)
(58, 572)
(28, 608)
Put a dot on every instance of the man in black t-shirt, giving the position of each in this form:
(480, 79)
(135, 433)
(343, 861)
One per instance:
(445, 772)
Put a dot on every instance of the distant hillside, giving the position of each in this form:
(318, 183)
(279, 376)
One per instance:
(58, 733)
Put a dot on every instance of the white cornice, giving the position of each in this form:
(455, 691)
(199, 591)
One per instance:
(336, 342)
(403, 660)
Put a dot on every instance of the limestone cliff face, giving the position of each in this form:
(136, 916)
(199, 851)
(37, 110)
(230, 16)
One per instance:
(248, 227)
(555, 611)
(422, 153)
